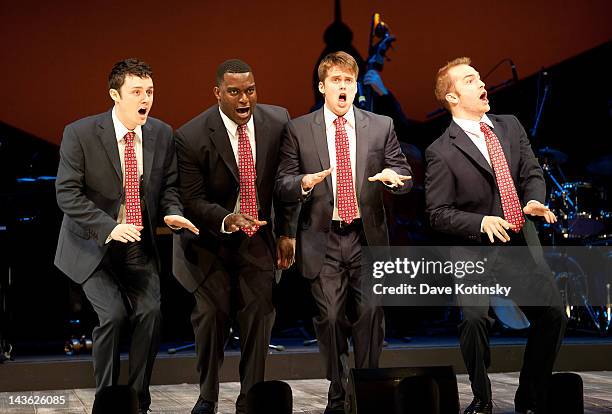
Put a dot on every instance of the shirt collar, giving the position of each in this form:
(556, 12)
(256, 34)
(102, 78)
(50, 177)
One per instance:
(471, 126)
(330, 117)
(121, 130)
(232, 127)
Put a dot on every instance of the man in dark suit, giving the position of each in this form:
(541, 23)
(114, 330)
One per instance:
(482, 180)
(331, 161)
(117, 175)
(228, 157)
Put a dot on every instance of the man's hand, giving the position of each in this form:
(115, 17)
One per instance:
(310, 180)
(285, 252)
(237, 221)
(390, 177)
(126, 233)
(496, 227)
(535, 208)
(175, 222)
(372, 78)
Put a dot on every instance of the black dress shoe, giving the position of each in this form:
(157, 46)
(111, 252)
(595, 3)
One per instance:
(329, 410)
(523, 407)
(204, 407)
(479, 407)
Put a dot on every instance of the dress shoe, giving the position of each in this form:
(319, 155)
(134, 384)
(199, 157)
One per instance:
(479, 407)
(204, 407)
(524, 410)
(524, 407)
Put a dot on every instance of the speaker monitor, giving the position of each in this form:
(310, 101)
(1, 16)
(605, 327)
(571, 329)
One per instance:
(270, 397)
(565, 394)
(403, 390)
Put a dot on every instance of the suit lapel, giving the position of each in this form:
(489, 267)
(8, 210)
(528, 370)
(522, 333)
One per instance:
(148, 151)
(361, 136)
(465, 145)
(106, 133)
(320, 139)
(261, 145)
(219, 137)
(501, 133)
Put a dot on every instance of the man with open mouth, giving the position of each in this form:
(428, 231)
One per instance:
(228, 156)
(482, 181)
(336, 162)
(117, 175)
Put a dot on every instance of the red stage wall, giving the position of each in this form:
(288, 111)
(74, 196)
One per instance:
(56, 55)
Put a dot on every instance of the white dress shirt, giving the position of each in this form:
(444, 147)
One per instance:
(120, 132)
(330, 132)
(232, 132)
(472, 130)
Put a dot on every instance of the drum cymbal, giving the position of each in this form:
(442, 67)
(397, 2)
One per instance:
(601, 166)
(552, 155)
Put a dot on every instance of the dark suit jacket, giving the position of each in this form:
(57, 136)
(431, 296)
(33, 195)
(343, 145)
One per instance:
(89, 189)
(210, 188)
(305, 151)
(460, 186)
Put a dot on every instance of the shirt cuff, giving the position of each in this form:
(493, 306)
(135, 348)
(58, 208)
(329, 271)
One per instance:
(223, 225)
(482, 224)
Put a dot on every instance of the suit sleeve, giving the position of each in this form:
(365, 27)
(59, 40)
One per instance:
(531, 177)
(286, 212)
(395, 160)
(170, 202)
(440, 195)
(70, 190)
(288, 187)
(205, 214)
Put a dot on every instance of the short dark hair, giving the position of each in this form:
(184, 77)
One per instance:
(231, 66)
(131, 66)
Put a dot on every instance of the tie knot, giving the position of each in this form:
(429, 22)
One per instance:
(242, 131)
(129, 138)
(340, 121)
(484, 127)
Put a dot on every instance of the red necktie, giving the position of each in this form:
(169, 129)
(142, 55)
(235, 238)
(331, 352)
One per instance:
(347, 204)
(511, 205)
(248, 175)
(133, 214)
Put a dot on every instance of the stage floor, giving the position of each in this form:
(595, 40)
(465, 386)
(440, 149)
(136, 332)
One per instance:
(309, 396)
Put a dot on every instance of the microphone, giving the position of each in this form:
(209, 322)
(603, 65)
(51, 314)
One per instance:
(514, 73)
(361, 99)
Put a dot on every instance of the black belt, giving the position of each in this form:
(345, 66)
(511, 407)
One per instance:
(343, 227)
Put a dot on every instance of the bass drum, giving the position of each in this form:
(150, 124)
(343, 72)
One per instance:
(580, 210)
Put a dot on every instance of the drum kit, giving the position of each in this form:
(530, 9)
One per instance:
(584, 218)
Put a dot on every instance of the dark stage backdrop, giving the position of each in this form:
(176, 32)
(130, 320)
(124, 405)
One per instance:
(55, 56)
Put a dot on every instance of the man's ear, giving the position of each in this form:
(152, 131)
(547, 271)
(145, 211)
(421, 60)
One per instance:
(217, 92)
(114, 94)
(322, 88)
(452, 98)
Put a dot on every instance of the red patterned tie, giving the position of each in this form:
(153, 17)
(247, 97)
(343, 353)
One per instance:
(133, 214)
(347, 204)
(248, 175)
(511, 205)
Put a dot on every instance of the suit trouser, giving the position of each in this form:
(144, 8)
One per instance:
(547, 327)
(237, 289)
(124, 292)
(338, 292)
